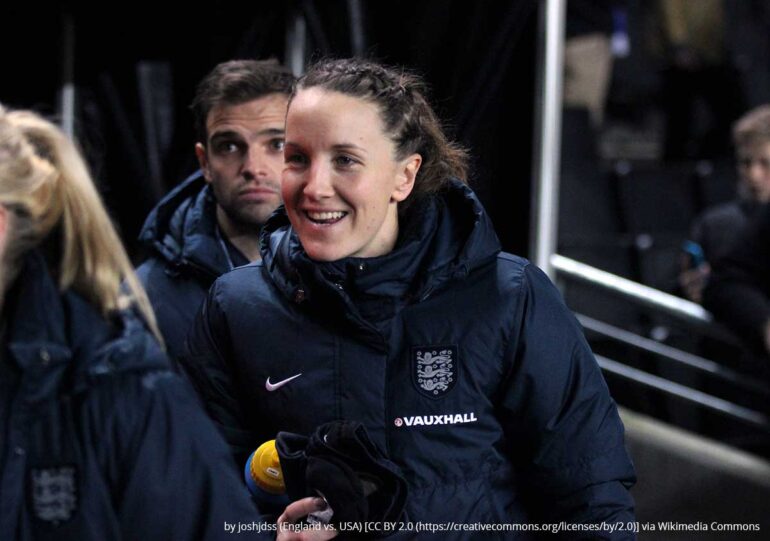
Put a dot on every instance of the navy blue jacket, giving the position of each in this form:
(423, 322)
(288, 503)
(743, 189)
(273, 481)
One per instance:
(186, 257)
(100, 440)
(462, 362)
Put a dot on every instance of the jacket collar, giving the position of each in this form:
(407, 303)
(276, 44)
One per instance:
(182, 228)
(444, 237)
(35, 308)
(48, 330)
(37, 335)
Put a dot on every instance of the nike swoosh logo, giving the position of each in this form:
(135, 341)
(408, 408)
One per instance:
(275, 386)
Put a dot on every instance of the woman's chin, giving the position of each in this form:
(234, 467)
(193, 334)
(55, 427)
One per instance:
(323, 252)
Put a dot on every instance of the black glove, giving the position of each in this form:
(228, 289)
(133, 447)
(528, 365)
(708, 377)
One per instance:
(342, 464)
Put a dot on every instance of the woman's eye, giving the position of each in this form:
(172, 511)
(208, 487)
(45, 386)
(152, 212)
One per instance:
(344, 161)
(277, 144)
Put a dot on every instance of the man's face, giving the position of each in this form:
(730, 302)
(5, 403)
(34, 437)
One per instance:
(754, 170)
(243, 158)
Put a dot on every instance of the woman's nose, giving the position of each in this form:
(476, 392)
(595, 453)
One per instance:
(318, 183)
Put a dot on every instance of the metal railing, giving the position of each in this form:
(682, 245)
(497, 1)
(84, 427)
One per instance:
(682, 310)
(672, 354)
(634, 291)
(661, 302)
(678, 390)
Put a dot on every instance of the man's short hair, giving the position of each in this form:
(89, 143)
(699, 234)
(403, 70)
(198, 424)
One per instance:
(752, 127)
(236, 82)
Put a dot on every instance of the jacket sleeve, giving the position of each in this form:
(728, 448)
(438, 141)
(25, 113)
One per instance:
(738, 292)
(206, 363)
(178, 481)
(569, 439)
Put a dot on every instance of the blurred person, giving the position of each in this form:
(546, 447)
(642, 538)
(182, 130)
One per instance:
(595, 33)
(388, 302)
(99, 438)
(210, 223)
(716, 230)
(701, 91)
(738, 292)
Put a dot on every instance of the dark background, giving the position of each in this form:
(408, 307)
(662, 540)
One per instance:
(626, 200)
(136, 130)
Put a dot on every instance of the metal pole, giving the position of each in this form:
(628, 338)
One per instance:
(548, 106)
(356, 16)
(67, 92)
(296, 40)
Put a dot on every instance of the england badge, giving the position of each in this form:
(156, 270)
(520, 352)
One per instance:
(434, 369)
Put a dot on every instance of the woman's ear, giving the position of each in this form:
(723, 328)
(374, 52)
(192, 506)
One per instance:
(407, 173)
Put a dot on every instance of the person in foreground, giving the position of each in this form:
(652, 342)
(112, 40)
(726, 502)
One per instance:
(390, 303)
(98, 438)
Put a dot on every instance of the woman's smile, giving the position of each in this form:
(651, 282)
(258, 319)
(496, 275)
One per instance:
(341, 192)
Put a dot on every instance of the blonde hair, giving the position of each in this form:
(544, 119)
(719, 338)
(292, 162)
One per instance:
(752, 128)
(46, 185)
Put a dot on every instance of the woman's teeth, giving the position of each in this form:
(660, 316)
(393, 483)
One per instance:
(326, 217)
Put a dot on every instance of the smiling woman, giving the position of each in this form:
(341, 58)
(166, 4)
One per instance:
(343, 182)
(383, 284)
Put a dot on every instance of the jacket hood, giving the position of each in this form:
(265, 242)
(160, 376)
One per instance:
(181, 229)
(442, 237)
(52, 333)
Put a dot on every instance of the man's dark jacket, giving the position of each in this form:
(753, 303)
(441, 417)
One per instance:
(99, 438)
(462, 362)
(185, 258)
(738, 292)
(719, 227)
